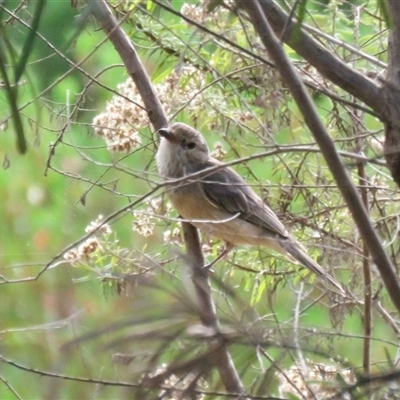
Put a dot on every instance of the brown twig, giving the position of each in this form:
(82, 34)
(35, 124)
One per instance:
(362, 179)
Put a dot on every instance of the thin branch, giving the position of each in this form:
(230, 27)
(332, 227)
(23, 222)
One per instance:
(66, 377)
(362, 180)
(10, 388)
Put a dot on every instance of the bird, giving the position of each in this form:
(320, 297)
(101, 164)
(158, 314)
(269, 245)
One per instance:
(220, 203)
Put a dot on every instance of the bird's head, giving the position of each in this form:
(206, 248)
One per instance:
(183, 145)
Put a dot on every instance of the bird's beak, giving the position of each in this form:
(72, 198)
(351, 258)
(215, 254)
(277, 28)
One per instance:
(166, 133)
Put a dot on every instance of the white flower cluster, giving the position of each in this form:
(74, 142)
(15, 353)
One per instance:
(194, 12)
(200, 14)
(125, 113)
(118, 125)
(90, 245)
(145, 219)
(84, 251)
(103, 229)
(218, 152)
(173, 236)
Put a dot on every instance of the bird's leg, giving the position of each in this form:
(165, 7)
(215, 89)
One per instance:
(228, 247)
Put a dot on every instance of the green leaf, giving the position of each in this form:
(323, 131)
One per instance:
(28, 45)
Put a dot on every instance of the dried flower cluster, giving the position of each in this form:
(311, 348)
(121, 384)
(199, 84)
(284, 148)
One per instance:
(118, 125)
(194, 12)
(319, 380)
(125, 114)
(183, 90)
(103, 229)
(145, 219)
(199, 13)
(90, 245)
(173, 236)
(84, 251)
(143, 224)
(218, 152)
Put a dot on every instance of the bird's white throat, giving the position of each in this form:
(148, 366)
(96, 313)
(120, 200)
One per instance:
(169, 161)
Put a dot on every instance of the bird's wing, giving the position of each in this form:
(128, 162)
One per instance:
(226, 189)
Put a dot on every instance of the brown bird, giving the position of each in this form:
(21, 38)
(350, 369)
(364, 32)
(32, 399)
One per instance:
(222, 204)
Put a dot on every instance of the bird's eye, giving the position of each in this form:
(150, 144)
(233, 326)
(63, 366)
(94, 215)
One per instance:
(191, 145)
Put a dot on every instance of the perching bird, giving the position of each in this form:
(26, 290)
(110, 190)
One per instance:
(221, 203)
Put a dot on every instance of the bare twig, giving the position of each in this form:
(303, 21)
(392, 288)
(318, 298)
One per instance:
(10, 388)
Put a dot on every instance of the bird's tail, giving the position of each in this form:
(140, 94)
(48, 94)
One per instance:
(295, 250)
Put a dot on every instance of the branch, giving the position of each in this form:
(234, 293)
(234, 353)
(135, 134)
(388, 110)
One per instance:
(393, 48)
(132, 62)
(200, 278)
(324, 61)
(208, 316)
(339, 172)
(391, 106)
